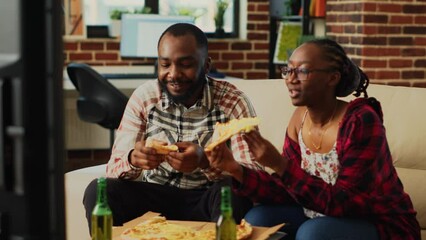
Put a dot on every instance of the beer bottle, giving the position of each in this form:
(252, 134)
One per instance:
(226, 227)
(101, 214)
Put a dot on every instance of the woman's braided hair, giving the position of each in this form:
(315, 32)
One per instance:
(353, 79)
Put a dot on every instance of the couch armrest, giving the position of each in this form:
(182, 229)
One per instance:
(75, 184)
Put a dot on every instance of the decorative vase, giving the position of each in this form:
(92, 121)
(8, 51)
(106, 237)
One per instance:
(115, 28)
(219, 18)
(219, 33)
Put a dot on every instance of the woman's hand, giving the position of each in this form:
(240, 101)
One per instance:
(221, 157)
(264, 152)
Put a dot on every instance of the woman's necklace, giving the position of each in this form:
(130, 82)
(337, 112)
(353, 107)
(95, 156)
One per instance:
(323, 131)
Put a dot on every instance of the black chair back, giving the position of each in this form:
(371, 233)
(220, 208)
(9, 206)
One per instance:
(99, 101)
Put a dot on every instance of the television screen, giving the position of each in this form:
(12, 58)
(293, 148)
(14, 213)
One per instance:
(140, 33)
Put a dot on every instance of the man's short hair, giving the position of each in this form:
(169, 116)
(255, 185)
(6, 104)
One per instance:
(181, 29)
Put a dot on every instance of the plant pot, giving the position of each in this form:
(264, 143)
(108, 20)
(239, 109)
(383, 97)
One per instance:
(219, 33)
(115, 28)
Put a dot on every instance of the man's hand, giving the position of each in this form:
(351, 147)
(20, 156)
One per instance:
(145, 157)
(190, 157)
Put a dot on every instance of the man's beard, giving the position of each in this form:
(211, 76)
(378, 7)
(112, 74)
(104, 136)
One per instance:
(189, 93)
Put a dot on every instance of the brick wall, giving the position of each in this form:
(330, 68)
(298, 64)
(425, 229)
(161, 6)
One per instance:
(246, 59)
(386, 38)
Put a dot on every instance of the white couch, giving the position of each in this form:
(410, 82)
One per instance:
(404, 116)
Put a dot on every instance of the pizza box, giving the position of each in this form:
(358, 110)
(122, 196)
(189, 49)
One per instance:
(259, 233)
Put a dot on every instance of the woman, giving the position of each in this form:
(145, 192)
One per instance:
(335, 178)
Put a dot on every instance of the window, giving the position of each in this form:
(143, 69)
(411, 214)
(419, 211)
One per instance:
(97, 12)
(204, 13)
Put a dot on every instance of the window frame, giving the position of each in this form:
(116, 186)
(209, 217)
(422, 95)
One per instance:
(236, 25)
(154, 4)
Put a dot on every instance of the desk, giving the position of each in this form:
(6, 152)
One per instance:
(125, 85)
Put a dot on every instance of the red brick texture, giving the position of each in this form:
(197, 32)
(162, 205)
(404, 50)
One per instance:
(387, 38)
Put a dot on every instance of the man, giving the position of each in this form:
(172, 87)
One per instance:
(180, 108)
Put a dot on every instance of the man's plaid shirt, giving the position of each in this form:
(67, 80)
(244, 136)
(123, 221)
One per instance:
(151, 114)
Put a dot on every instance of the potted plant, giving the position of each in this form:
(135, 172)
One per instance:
(115, 16)
(115, 24)
(221, 7)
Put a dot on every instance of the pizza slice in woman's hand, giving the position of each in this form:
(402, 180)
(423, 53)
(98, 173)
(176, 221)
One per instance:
(224, 131)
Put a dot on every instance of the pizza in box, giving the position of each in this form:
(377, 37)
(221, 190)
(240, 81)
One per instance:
(158, 228)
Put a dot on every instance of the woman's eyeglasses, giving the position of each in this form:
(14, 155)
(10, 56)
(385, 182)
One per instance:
(301, 74)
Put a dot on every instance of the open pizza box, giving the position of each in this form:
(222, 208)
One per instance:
(259, 233)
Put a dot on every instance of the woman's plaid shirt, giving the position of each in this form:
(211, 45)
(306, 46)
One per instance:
(367, 186)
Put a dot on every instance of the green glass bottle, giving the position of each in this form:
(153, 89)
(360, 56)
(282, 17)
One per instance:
(101, 214)
(226, 227)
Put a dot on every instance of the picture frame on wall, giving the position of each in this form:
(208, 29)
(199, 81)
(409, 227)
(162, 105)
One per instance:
(74, 20)
(288, 39)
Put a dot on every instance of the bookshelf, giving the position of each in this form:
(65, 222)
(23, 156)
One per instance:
(309, 26)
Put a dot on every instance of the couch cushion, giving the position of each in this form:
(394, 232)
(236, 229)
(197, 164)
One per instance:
(413, 181)
(404, 118)
(274, 118)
